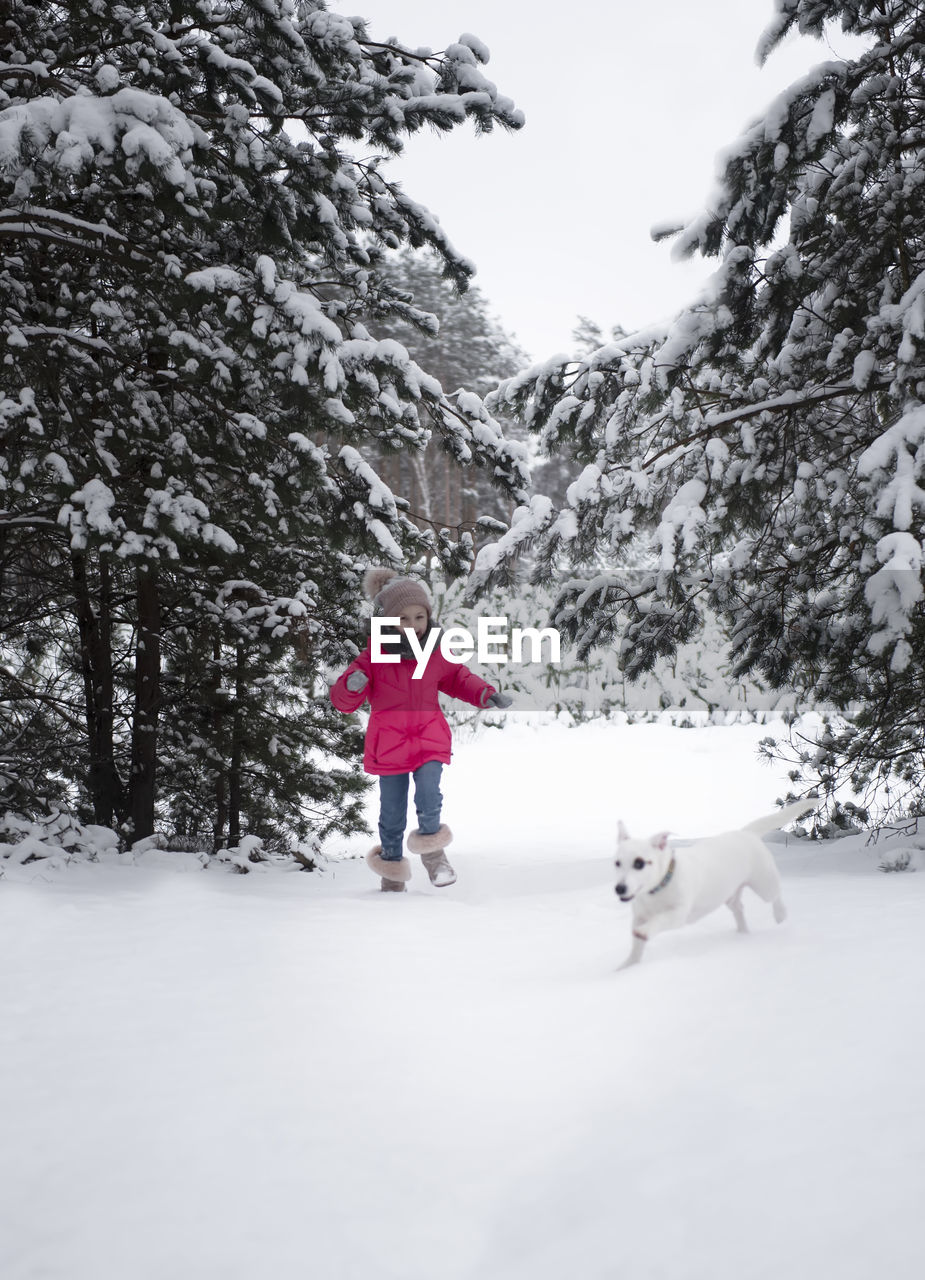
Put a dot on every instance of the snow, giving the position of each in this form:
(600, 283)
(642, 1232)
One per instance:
(865, 363)
(32, 217)
(682, 515)
(898, 498)
(387, 544)
(822, 120)
(97, 501)
(234, 1076)
(145, 125)
(892, 594)
(108, 78)
(478, 47)
(527, 522)
(378, 492)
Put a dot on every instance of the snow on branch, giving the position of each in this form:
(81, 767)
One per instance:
(528, 523)
(893, 593)
(789, 400)
(30, 220)
(899, 452)
(80, 131)
(378, 493)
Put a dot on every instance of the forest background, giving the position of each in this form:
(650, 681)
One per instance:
(241, 363)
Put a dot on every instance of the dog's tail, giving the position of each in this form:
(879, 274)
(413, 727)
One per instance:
(774, 821)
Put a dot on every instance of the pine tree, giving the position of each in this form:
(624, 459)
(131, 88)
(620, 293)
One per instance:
(555, 469)
(770, 442)
(196, 214)
(466, 348)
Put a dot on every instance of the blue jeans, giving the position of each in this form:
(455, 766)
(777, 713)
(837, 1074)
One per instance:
(393, 806)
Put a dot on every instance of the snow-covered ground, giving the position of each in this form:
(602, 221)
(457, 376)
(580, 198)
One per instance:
(207, 1076)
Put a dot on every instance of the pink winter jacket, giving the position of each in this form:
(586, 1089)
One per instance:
(406, 726)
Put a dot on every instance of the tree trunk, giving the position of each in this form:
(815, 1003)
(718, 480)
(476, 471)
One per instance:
(237, 752)
(218, 732)
(419, 472)
(147, 697)
(95, 630)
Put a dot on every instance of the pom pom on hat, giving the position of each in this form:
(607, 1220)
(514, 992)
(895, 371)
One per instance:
(391, 594)
(375, 579)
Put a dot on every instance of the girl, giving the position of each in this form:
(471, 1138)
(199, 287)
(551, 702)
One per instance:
(407, 735)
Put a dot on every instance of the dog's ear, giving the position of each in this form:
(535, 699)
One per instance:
(661, 840)
(622, 833)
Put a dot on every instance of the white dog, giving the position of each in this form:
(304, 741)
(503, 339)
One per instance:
(669, 887)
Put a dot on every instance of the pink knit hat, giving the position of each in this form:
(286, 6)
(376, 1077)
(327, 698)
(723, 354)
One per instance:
(391, 594)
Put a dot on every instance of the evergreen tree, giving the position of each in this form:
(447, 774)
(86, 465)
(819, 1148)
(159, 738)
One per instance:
(555, 468)
(771, 441)
(466, 348)
(196, 215)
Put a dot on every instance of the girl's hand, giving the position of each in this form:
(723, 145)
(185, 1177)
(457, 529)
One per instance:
(356, 681)
(499, 700)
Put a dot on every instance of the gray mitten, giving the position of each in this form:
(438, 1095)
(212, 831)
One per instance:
(356, 681)
(499, 700)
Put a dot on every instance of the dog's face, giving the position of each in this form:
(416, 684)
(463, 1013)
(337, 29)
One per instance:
(640, 864)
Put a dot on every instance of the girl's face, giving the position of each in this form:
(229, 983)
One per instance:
(415, 617)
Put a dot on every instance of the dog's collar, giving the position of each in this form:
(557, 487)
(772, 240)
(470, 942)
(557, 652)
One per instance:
(666, 878)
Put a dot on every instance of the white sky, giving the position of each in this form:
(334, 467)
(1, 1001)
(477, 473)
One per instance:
(627, 105)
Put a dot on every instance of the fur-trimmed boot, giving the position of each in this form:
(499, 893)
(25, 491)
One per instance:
(431, 850)
(392, 875)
